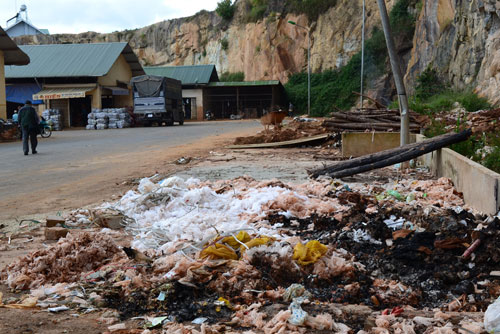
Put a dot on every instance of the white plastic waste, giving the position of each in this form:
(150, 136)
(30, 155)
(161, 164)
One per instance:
(298, 316)
(492, 318)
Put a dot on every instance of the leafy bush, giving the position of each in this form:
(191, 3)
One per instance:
(235, 76)
(471, 102)
(492, 160)
(257, 11)
(402, 21)
(224, 43)
(312, 8)
(428, 84)
(435, 129)
(225, 9)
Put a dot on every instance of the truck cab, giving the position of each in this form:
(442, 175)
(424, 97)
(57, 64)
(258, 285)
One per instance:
(157, 99)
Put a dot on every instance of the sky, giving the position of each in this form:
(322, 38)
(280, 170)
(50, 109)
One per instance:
(76, 16)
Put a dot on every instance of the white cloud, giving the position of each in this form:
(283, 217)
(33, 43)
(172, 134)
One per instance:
(75, 16)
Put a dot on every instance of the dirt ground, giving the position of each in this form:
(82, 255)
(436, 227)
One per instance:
(109, 181)
(208, 159)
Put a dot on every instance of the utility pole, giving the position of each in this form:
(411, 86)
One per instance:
(363, 52)
(396, 72)
(308, 65)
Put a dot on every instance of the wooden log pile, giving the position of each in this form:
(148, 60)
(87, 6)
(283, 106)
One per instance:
(386, 120)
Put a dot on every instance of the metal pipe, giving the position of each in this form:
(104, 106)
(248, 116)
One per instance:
(308, 65)
(396, 71)
(308, 73)
(363, 52)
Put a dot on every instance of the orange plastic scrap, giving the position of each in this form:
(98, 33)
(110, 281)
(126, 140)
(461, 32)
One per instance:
(309, 253)
(219, 251)
(242, 236)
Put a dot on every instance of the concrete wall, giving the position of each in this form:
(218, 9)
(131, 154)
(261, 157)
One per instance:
(96, 98)
(480, 186)
(120, 71)
(3, 102)
(198, 94)
(356, 144)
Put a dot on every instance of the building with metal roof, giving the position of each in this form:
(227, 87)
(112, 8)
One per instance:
(10, 54)
(21, 26)
(245, 99)
(191, 75)
(202, 91)
(76, 78)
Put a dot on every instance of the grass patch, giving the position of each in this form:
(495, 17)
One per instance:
(257, 10)
(483, 149)
(224, 44)
(312, 8)
(232, 76)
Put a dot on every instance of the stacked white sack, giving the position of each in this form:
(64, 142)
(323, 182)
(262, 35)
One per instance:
(193, 213)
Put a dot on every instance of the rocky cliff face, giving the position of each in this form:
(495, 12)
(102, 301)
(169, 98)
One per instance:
(268, 49)
(459, 38)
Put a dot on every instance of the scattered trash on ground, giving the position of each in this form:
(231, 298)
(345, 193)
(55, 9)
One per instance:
(253, 256)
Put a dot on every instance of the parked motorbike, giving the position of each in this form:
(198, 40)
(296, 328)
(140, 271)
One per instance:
(209, 116)
(45, 128)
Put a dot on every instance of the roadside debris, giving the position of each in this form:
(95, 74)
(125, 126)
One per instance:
(266, 256)
(295, 129)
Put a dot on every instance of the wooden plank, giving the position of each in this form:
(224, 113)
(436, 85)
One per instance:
(282, 143)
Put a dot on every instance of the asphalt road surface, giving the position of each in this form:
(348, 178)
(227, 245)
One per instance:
(76, 158)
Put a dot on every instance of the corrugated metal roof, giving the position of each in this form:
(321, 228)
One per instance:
(188, 75)
(244, 83)
(73, 60)
(11, 52)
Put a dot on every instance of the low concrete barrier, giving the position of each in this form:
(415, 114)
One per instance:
(356, 144)
(480, 186)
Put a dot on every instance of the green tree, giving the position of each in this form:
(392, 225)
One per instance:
(225, 9)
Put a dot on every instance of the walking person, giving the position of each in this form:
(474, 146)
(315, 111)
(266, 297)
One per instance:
(28, 120)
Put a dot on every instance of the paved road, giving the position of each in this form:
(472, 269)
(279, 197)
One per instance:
(81, 154)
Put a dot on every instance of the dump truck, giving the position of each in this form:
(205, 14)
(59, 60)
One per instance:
(157, 99)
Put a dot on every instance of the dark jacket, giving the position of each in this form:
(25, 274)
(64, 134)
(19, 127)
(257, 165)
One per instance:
(28, 117)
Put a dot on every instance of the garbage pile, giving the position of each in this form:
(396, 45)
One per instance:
(481, 121)
(250, 256)
(113, 118)
(9, 131)
(386, 120)
(55, 118)
(296, 129)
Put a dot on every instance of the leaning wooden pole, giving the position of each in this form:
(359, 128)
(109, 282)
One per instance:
(391, 156)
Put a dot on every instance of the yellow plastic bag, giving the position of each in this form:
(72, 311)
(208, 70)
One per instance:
(219, 251)
(309, 253)
(255, 242)
(242, 236)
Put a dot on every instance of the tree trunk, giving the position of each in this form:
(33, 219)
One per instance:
(391, 156)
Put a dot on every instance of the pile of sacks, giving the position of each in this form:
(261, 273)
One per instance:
(113, 118)
(54, 117)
